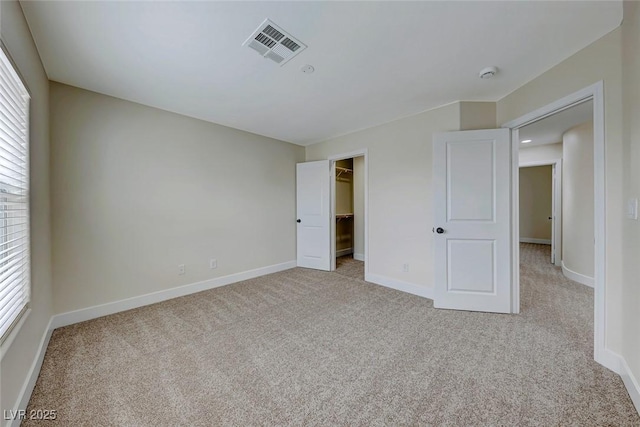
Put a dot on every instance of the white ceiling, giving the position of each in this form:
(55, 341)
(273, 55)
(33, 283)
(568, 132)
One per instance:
(374, 61)
(550, 129)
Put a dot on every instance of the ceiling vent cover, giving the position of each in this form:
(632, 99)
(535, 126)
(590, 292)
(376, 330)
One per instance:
(274, 43)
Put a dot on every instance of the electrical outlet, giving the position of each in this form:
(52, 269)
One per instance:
(213, 263)
(181, 270)
(405, 268)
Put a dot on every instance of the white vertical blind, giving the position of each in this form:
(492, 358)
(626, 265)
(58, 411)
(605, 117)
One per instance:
(15, 259)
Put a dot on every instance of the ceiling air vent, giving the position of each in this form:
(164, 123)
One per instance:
(274, 43)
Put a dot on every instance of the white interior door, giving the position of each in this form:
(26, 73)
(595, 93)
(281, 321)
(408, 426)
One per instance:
(313, 215)
(472, 230)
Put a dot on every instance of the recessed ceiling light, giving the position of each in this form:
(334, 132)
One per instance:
(526, 141)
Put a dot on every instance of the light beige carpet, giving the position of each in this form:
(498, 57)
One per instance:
(304, 347)
(347, 266)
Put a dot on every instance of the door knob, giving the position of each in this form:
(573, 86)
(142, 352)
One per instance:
(439, 230)
(298, 220)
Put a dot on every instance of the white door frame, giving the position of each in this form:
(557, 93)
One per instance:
(332, 163)
(595, 92)
(556, 194)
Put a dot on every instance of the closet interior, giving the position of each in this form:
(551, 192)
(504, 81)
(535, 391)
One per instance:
(344, 208)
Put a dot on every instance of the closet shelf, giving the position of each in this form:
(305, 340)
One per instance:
(344, 216)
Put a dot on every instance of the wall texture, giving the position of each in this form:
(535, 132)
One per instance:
(600, 61)
(536, 198)
(577, 200)
(17, 361)
(136, 191)
(400, 208)
(631, 228)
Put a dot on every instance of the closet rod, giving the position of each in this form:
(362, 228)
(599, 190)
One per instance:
(342, 170)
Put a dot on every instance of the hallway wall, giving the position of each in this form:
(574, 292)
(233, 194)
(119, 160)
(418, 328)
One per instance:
(578, 200)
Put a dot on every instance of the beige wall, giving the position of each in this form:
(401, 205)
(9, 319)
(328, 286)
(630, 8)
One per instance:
(477, 115)
(536, 192)
(400, 209)
(577, 200)
(17, 361)
(358, 206)
(137, 191)
(631, 147)
(599, 61)
(539, 153)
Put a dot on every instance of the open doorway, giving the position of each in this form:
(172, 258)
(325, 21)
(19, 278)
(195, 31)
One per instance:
(557, 220)
(556, 189)
(540, 192)
(594, 217)
(348, 234)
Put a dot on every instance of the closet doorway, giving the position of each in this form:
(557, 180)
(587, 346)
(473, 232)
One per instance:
(348, 207)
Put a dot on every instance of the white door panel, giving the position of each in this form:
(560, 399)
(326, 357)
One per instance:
(470, 180)
(313, 215)
(479, 277)
(472, 220)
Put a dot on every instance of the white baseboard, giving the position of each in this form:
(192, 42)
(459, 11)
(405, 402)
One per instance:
(618, 364)
(358, 257)
(577, 277)
(608, 359)
(343, 252)
(89, 313)
(532, 240)
(400, 285)
(631, 383)
(96, 311)
(32, 377)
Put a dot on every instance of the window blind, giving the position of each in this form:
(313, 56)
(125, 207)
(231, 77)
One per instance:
(15, 263)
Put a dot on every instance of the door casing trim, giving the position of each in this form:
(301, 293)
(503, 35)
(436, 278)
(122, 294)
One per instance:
(363, 152)
(595, 92)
